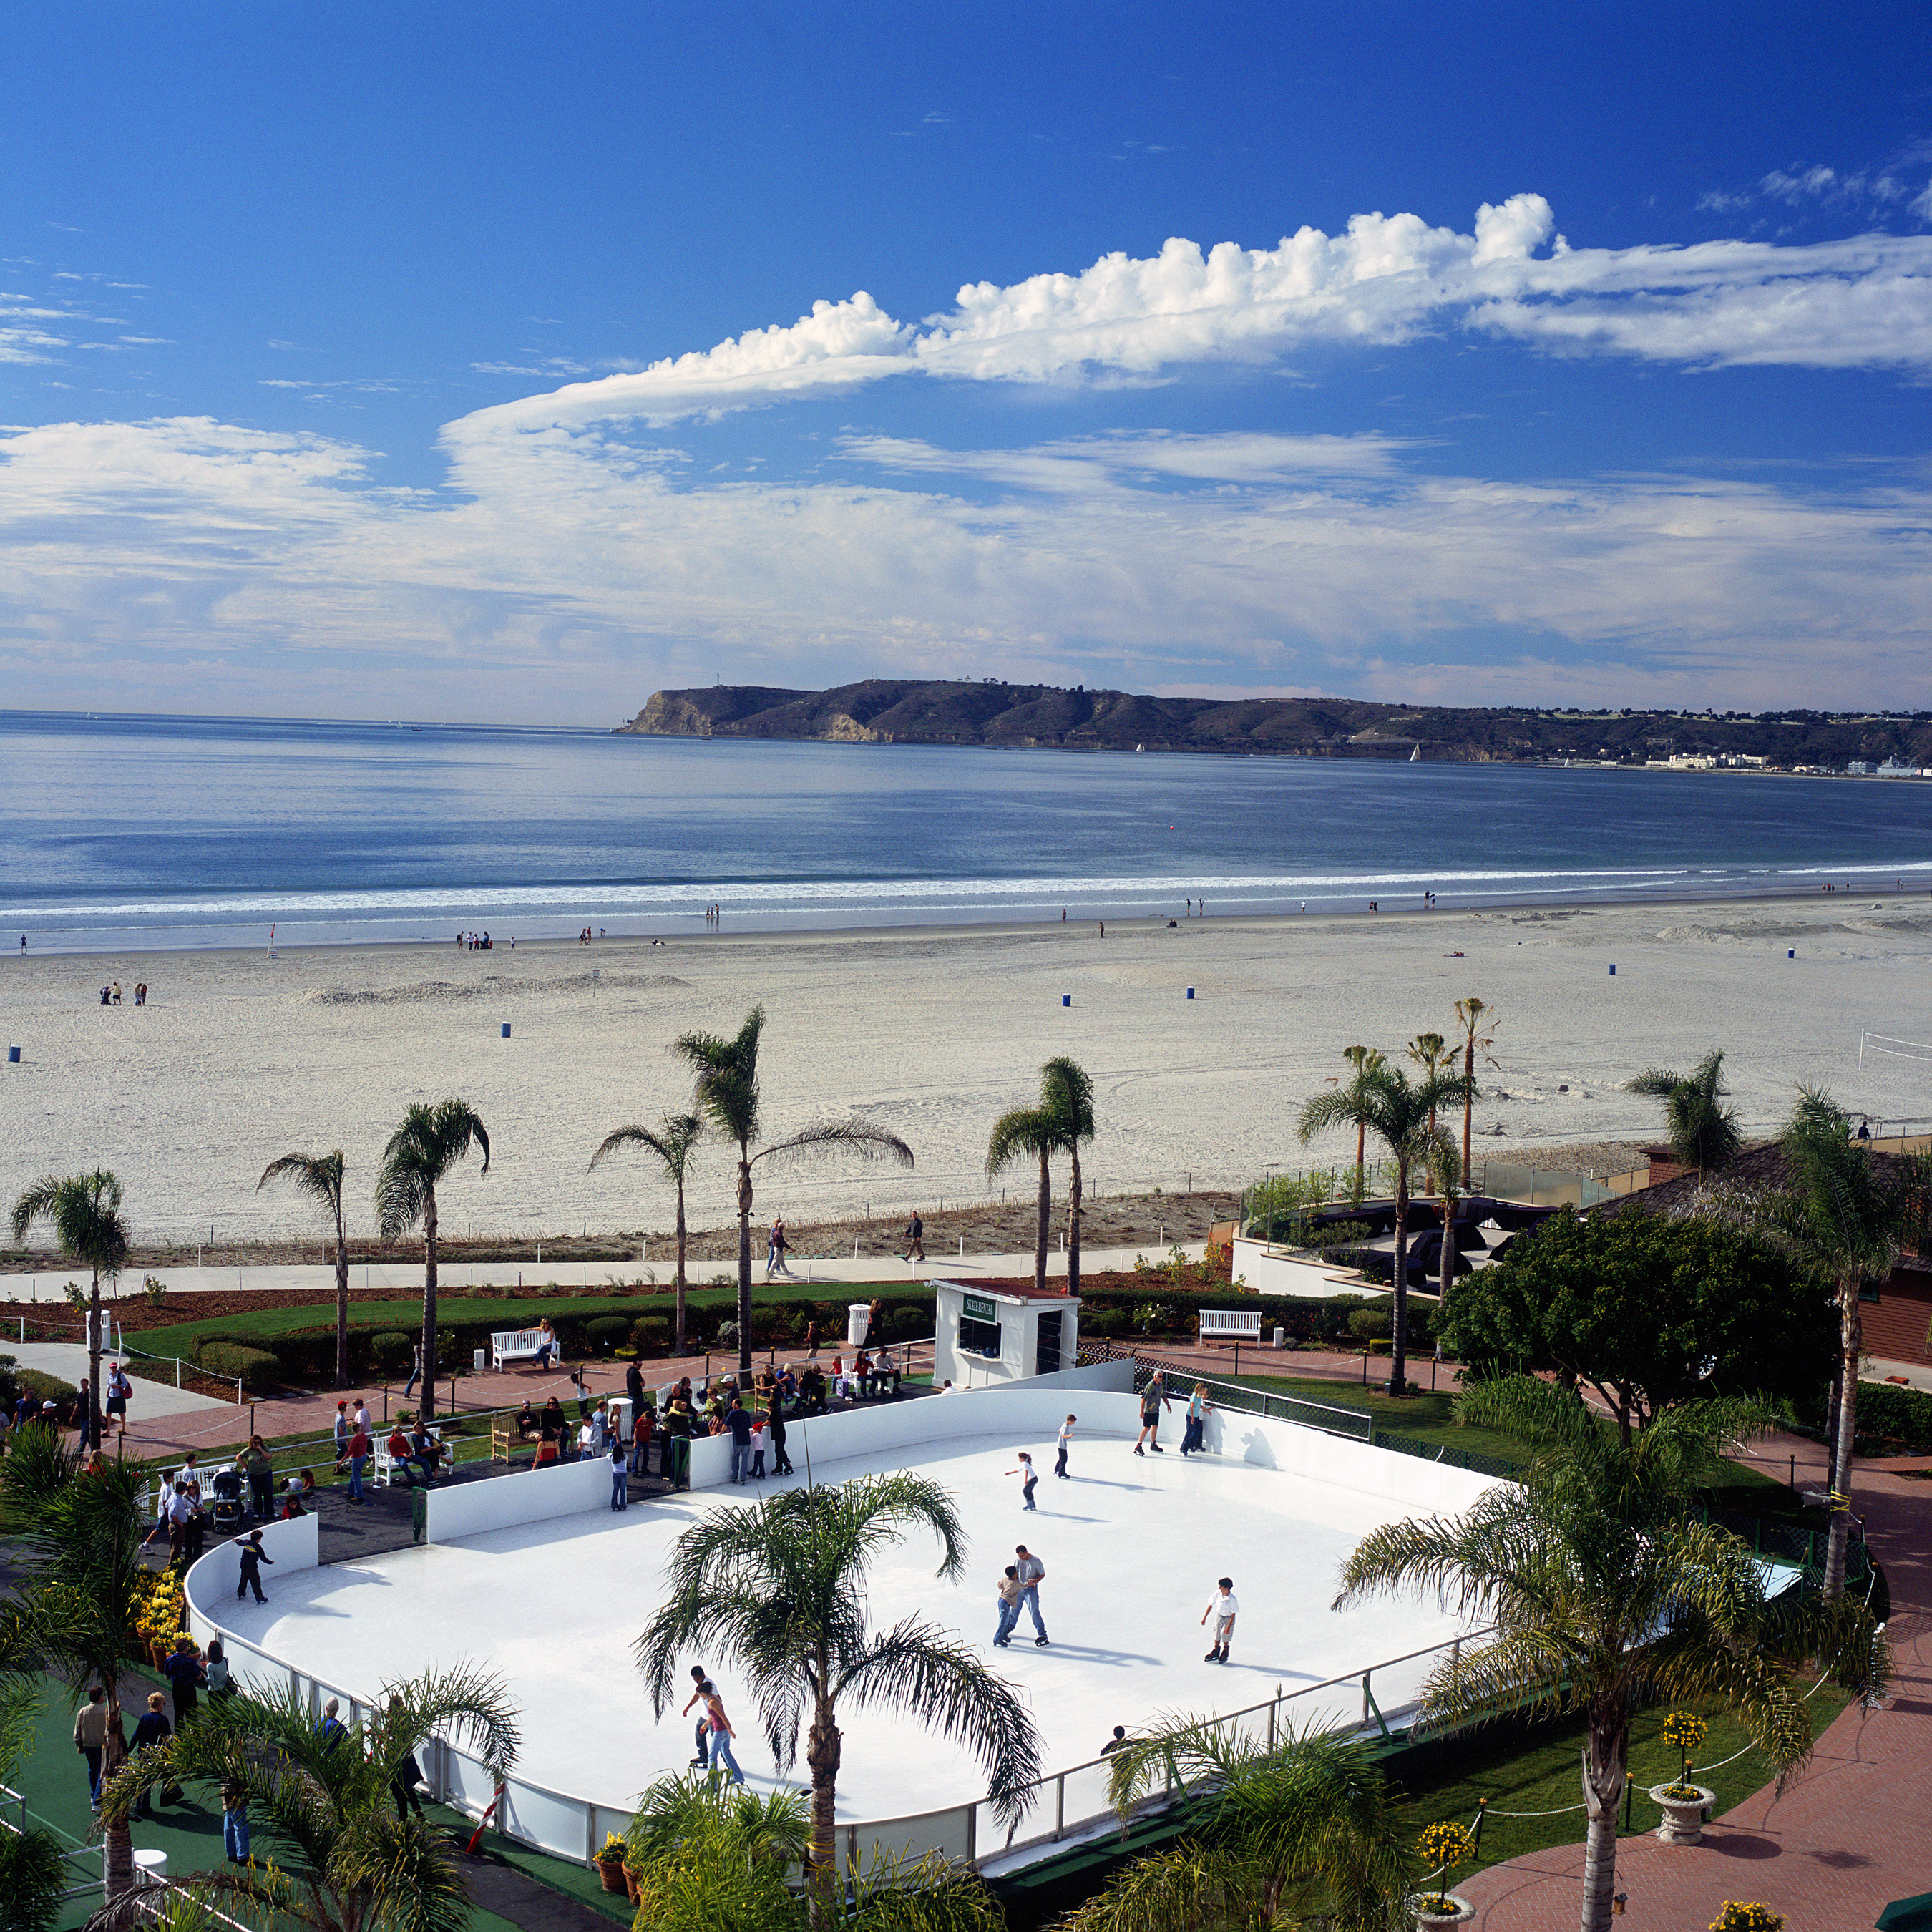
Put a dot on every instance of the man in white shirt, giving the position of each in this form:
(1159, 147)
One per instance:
(1222, 1609)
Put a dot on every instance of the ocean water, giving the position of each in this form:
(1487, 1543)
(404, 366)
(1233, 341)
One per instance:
(155, 832)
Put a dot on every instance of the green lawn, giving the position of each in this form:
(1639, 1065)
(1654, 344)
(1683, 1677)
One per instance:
(1538, 1770)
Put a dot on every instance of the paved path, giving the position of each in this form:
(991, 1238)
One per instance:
(1852, 1833)
(404, 1274)
(68, 1360)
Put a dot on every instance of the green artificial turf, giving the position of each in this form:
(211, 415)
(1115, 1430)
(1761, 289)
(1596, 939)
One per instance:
(1538, 1770)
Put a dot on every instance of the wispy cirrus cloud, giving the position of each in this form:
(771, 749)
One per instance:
(1865, 301)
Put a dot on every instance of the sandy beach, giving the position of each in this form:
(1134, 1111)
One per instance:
(238, 1058)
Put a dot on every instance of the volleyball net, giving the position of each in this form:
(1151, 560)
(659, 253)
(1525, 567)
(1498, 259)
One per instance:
(1883, 1046)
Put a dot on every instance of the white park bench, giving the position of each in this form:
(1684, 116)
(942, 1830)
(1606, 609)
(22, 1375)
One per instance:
(383, 1464)
(1231, 1324)
(515, 1345)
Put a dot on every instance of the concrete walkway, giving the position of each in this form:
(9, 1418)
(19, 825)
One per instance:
(68, 1360)
(1851, 1833)
(404, 1274)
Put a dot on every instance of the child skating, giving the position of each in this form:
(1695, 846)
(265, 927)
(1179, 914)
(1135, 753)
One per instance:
(1030, 1476)
(1222, 1609)
(1065, 1437)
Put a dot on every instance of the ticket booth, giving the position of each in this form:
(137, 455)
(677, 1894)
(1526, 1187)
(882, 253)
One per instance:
(989, 1333)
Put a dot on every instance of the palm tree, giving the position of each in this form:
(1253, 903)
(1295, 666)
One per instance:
(1365, 1060)
(1284, 1834)
(673, 1140)
(1023, 1133)
(1850, 1218)
(421, 1152)
(85, 1211)
(1603, 1592)
(1430, 1051)
(781, 1586)
(1382, 1101)
(1477, 1037)
(342, 1858)
(727, 1097)
(1703, 1131)
(1066, 1092)
(77, 1544)
(319, 1177)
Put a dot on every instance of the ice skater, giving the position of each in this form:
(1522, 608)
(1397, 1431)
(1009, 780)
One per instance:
(1065, 1437)
(1032, 1574)
(1198, 1409)
(1154, 1399)
(252, 1557)
(1031, 1479)
(1223, 1610)
(1008, 1596)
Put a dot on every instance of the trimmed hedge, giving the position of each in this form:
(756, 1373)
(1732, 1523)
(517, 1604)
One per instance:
(603, 1332)
(390, 1349)
(1895, 1414)
(650, 1334)
(258, 1368)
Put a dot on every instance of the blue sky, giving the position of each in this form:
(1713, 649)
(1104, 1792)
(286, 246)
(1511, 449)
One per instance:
(506, 363)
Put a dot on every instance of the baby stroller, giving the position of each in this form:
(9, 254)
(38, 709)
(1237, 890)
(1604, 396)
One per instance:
(227, 1487)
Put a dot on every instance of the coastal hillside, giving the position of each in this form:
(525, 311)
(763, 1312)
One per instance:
(990, 713)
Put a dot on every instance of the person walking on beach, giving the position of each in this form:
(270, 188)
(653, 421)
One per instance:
(1222, 1609)
(1154, 1399)
(1026, 1470)
(1066, 1438)
(915, 1239)
(1032, 1574)
(252, 1557)
(1009, 1598)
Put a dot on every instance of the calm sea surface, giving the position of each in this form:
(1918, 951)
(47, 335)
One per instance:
(173, 831)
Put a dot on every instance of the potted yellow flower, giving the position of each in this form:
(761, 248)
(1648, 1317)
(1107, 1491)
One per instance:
(1739, 1916)
(1682, 1803)
(610, 1863)
(1441, 1848)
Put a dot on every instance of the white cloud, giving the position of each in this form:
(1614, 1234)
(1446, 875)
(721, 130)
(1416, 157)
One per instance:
(1866, 302)
(191, 564)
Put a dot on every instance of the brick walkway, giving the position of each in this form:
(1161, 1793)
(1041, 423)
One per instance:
(1853, 1831)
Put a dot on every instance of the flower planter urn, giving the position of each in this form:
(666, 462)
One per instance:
(1683, 1817)
(1425, 1918)
(611, 1871)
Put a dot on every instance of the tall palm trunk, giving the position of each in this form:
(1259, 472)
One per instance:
(93, 1361)
(823, 1754)
(1606, 1758)
(1044, 1222)
(427, 1407)
(1361, 1163)
(679, 1344)
(1468, 1104)
(1073, 1223)
(341, 1299)
(1852, 1330)
(744, 1258)
(1399, 1345)
(117, 1839)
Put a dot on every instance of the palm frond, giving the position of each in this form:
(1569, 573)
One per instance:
(854, 1136)
(318, 1176)
(1020, 1134)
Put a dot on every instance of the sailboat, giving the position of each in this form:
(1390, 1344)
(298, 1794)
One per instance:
(1415, 756)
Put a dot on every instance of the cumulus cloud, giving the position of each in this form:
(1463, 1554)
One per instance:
(573, 574)
(1386, 280)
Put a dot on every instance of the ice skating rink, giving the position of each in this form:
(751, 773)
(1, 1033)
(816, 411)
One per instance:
(1132, 1545)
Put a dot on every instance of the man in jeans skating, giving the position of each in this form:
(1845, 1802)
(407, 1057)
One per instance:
(1032, 1573)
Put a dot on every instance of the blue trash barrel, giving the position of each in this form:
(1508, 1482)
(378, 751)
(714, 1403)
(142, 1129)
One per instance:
(1067, 999)
(13, 1054)
(1613, 972)
(1190, 992)
(506, 1024)
(1792, 954)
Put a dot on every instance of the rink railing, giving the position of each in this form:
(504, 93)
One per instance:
(572, 1827)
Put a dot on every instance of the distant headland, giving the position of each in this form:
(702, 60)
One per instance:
(989, 712)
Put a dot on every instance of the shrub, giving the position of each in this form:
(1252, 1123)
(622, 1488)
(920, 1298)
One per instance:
(1371, 1324)
(727, 1334)
(1105, 1322)
(911, 1324)
(258, 1368)
(650, 1334)
(155, 1289)
(391, 1351)
(603, 1332)
(1895, 1414)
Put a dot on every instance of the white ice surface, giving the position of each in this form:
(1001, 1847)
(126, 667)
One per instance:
(1132, 1545)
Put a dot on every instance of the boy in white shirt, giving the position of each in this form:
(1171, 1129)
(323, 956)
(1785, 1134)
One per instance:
(1065, 1437)
(1222, 1609)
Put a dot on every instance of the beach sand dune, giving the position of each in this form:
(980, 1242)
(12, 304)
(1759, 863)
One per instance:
(238, 1058)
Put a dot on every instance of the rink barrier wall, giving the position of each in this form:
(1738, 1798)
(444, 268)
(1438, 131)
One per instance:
(459, 1510)
(1067, 1804)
